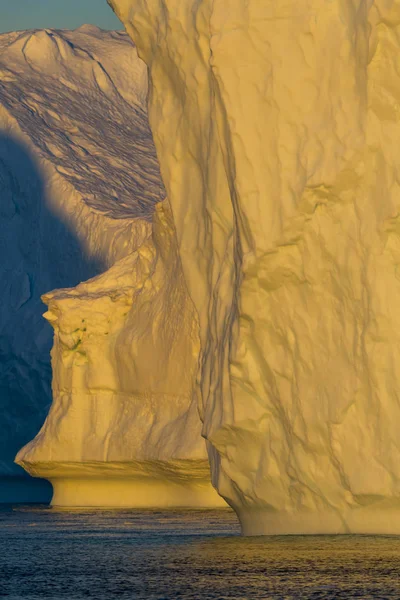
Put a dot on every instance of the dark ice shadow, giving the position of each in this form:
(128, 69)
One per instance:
(38, 253)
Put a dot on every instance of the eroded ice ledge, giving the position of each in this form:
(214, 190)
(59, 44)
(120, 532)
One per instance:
(138, 484)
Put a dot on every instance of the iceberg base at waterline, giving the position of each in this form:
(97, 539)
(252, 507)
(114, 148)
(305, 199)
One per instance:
(384, 519)
(138, 484)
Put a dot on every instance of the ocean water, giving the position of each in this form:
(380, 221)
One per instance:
(196, 554)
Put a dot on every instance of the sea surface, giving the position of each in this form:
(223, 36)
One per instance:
(50, 554)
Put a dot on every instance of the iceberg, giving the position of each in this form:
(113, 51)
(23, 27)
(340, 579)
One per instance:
(276, 125)
(88, 228)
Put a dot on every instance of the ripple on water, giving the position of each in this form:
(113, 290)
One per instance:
(194, 554)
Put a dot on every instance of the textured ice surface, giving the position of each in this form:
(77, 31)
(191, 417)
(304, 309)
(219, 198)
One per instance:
(68, 92)
(279, 122)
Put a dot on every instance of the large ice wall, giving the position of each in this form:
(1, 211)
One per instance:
(82, 197)
(277, 129)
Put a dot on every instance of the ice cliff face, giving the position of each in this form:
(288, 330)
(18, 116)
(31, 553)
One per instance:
(277, 128)
(79, 183)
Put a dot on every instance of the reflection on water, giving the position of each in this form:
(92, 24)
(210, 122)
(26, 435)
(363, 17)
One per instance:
(183, 554)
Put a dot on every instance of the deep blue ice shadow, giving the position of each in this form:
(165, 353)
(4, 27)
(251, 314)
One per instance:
(38, 253)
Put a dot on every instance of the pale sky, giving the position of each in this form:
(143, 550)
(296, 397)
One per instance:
(57, 14)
